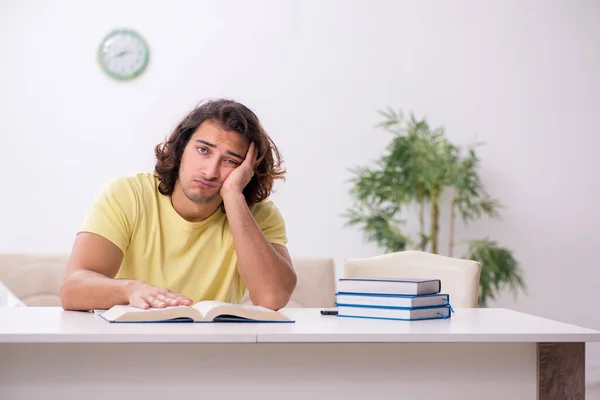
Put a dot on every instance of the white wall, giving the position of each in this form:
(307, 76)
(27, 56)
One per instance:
(522, 76)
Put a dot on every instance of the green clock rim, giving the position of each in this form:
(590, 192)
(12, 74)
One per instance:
(125, 31)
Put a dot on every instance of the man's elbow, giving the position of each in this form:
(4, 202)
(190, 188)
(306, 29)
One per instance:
(66, 296)
(68, 293)
(271, 301)
(274, 299)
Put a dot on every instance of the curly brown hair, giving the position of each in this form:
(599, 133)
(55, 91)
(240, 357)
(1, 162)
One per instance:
(234, 117)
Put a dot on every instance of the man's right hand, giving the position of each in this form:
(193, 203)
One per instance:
(144, 295)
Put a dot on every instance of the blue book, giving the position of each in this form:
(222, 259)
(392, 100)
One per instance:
(390, 286)
(395, 313)
(392, 300)
(203, 311)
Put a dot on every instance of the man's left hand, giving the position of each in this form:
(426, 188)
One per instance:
(241, 176)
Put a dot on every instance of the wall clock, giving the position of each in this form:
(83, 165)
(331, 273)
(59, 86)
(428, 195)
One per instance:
(123, 54)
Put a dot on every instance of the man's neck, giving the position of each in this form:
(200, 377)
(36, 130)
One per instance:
(190, 211)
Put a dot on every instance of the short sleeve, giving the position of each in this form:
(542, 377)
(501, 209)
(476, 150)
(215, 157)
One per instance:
(270, 220)
(113, 213)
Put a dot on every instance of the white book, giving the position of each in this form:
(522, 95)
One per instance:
(389, 286)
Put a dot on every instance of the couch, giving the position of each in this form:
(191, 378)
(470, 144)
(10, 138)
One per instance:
(34, 279)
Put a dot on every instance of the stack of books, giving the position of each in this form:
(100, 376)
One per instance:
(396, 299)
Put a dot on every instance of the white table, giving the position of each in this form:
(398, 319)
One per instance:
(477, 354)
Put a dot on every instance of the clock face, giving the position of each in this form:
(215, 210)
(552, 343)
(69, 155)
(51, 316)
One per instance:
(123, 54)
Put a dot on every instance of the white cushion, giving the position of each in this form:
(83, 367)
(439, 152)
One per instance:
(8, 298)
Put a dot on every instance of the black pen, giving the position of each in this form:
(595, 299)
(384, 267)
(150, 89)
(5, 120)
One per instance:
(329, 311)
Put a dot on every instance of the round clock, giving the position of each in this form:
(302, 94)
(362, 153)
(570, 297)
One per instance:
(123, 54)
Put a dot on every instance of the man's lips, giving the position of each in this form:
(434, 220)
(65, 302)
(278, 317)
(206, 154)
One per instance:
(204, 184)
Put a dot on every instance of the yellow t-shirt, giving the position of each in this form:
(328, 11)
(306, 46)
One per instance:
(195, 259)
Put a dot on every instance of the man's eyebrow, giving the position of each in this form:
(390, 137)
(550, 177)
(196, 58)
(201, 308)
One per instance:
(231, 153)
(236, 155)
(206, 143)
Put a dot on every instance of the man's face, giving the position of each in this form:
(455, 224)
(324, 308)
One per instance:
(208, 159)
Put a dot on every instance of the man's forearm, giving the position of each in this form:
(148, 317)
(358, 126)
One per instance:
(89, 290)
(268, 275)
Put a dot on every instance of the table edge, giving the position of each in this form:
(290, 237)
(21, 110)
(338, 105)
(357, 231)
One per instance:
(298, 338)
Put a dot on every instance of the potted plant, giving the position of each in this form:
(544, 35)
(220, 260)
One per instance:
(419, 169)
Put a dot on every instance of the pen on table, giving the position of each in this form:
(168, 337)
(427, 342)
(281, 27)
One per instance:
(329, 311)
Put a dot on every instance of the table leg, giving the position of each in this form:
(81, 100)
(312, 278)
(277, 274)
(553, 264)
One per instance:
(561, 371)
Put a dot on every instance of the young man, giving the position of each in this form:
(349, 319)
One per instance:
(201, 227)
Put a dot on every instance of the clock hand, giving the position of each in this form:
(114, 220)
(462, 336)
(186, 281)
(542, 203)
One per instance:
(120, 54)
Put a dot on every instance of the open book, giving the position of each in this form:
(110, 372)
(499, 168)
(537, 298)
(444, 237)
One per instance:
(203, 311)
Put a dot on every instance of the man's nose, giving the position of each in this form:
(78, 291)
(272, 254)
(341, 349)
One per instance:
(212, 169)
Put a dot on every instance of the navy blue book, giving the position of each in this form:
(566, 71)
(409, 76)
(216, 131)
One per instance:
(392, 300)
(390, 286)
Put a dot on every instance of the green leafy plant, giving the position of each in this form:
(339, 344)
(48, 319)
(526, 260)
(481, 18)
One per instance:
(419, 170)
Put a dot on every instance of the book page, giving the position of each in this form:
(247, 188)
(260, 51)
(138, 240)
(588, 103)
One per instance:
(255, 308)
(129, 308)
(205, 306)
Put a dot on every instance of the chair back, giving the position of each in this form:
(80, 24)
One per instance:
(460, 278)
(33, 278)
